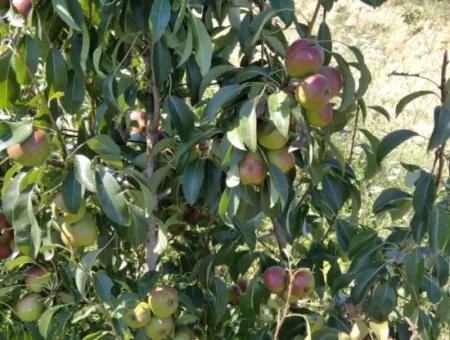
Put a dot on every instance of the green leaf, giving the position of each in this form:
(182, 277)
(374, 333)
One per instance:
(181, 116)
(203, 45)
(213, 74)
(9, 88)
(285, 10)
(424, 193)
(56, 71)
(335, 192)
(279, 182)
(138, 230)
(26, 229)
(14, 133)
(348, 93)
(221, 299)
(159, 18)
(112, 198)
(324, 40)
(438, 229)
(103, 286)
(45, 321)
(280, 111)
(12, 264)
(441, 131)
(247, 231)
(408, 99)
(363, 281)
(106, 148)
(11, 196)
(74, 93)
(382, 302)
(381, 110)
(415, 268)
(188, 48)
(366, 77)
(224, 95)
(84, 172)
(83, 270)
(388, 198)
(72, 192)
(247, 125)
(70, 12)
(257, 26)
(26, 60)
(162, 63)
(391, 141)
(193, 177)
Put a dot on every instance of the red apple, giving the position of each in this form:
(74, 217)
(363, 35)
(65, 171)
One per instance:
(334, 79)
(282, 159)
(304, 57)
(36, 279)
(6, 234)
(33, 151)
(29, 308)
(5, 251)
(275, 279)
(320, 118)
(313, 93)
(163, 301)
(303, 283)
(22, 6)
(270, 137)
(252, 170)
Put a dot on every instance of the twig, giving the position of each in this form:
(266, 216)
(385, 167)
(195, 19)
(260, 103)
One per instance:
(355, 130)
(414, 75)
(58, 132)
(440, 153)
(279, 235)
(313, 19)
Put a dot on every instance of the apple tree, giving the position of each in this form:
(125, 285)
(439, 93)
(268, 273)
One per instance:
(177, 170)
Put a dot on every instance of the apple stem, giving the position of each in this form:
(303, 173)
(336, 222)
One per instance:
(313, 19)
(440, 152)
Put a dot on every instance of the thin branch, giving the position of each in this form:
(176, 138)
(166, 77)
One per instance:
(440, 153)
(313, 19)
(413, 75)
(355, 130)
(279, 235)
(58, 132)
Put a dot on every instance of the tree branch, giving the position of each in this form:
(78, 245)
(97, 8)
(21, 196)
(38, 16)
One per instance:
(313, 19)
(279, 235)
(440, 153)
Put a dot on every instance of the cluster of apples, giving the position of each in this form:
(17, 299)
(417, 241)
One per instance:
(252, 168)
(21, 7)
(156, 315)
(277, 280)
(6, 238)
(318, 83)
(30, 306)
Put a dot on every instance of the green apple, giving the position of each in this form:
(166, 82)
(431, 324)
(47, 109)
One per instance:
(139, 316)
(282, 159)
(320, 118)
(36, 279)
(163, 301)
(184, 333)
(35, 149)
(29, 308)
(270, 138)
(159, 328)
(68, 217)
(80, 234)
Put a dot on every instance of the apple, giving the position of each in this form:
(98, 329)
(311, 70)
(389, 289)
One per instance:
(252, 170)
(80, 234)
(6, 234)
(313, 92)
(29, 308)
(163, 301)
(320, 118)
(270, 138)
(184, 333)
(66, 298)
(139, 316)
(68, 217)
(304, 57)
(141, 118)
(302, 283)
(284, 296)
(159, 328)
(234, 294)
(334, 78)
(282, 159)
(33, 151)
(36, 279)
(22, 6)
(275, 278)
(5, 251)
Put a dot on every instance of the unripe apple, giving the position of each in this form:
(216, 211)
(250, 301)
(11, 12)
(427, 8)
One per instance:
(282, 159)
(6, 234)
(139, 316)
(5, 251)
(284, 296)
(313, 93)
(22, 6)
(80, 234)
(68, 217)
(303, 283)
(270, 137)
(320, 118)
(36, 279)
(304, 57)
(141, 118)
(275, 279)
(334, 79)
(159, 328)
(252, 170)
(184, 333)
(163, 301)
(66, 298)
(234, 294)
(29, 308)
(33, 151)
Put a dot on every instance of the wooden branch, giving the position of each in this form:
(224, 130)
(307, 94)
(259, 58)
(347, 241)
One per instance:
(440, 153)
(313, 19)
(280, 237)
